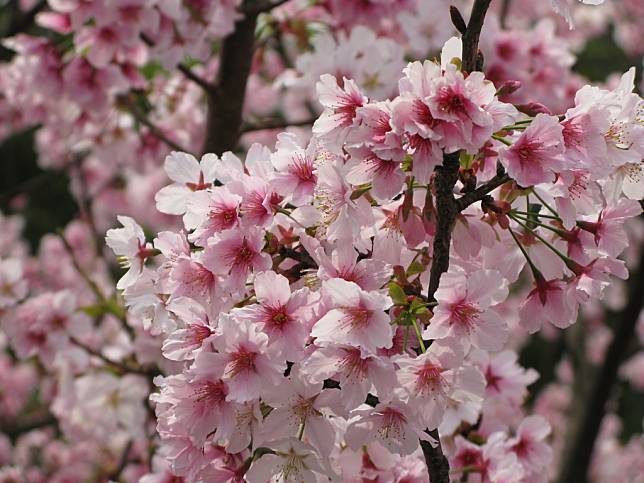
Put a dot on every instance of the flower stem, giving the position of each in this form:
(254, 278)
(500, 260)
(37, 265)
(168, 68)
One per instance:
(418, 335)
(501, 139)
(533, 267)
(565, 258)
(554, 212)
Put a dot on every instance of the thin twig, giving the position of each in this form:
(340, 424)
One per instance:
(261, 6)
(140, 116)
(123, 461)
(471, 37)
(17, 427)
(81, 271)
(200, 81)
(273, 123)
(184, 69)
(479, 193)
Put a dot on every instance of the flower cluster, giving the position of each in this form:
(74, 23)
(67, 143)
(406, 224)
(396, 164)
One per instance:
(295, 294)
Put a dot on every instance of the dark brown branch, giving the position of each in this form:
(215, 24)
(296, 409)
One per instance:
(140, 116)
(17, 427)
(200, 81)
(225, 103)
(446, 212)
(261, 6)
(457, 19)
(274, 124)
(184, 69)
(472, 34)
(479, 193)
(123, 461)
(581, 444)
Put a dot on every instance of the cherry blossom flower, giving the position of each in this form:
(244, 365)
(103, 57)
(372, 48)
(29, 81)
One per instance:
(552, 301)
(13, 286)
(340, 105)
(528, 445)
(432, 378)
(355, 317)
(536, 155)
(243, 360)
(392, 424)
(295, 169)
(284, 316)
(189, 176)
(356, 372)
(210, 212)
(292, 460)
(235, 255)
(129, 243)
(465, 309)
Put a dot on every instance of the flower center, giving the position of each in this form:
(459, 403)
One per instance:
(211, 393)
(242, 361)
(464, 313)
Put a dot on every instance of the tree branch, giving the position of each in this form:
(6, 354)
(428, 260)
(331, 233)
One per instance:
(184, 69)
(446, 212)
(479, 193)
(472, 34)
(273, 123)
(225, 103)
(17, 427)
(140, 116)
(261, 6)
(582, 442)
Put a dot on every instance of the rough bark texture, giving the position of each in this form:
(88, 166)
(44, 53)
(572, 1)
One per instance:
(446, 211)
(581, 441)
(226, 99)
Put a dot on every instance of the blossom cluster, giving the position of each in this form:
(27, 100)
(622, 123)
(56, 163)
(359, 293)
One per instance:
(294, 295)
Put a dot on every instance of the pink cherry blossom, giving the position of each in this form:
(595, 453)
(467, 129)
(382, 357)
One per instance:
(392, 424)
(536, 155)
(284, 316)
(465, 309)
(235, 255)
(243, 360)
(434, 377)
(129, 243)
(355, 317)
(189, 176)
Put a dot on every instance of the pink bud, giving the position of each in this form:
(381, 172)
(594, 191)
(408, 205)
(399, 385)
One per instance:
(508, 87)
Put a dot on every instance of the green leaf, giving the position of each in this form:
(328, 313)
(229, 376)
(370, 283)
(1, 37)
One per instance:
(152, 69)
(357, 193)
(397, 294)
(110, 306)
(93, 311)
(415, 268)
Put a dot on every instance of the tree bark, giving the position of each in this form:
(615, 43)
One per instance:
(226, 98)
(446, 211)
